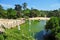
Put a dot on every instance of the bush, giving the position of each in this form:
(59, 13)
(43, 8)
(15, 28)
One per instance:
(1, 37)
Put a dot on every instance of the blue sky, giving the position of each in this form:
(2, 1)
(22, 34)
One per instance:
(37, 4)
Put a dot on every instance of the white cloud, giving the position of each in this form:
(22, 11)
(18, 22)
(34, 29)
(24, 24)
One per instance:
(55, 5)
(7, 5)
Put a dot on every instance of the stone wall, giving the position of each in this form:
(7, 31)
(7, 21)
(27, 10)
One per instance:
(9, 23)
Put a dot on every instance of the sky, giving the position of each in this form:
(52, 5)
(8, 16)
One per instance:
(37, 4)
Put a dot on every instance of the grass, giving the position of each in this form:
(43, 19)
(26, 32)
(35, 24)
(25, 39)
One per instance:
(23, 34)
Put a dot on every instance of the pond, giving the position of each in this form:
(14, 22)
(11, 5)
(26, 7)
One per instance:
(38, 26)
(38, 30)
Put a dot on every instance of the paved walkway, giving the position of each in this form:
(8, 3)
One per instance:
(40, 18)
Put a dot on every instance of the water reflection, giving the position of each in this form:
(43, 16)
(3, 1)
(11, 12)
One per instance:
(42, 34)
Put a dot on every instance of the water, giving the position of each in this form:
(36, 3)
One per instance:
(36, 29)
(41, 32)
(38, 26)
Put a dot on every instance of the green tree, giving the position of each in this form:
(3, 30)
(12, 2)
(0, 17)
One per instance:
(1, 12)
(34, 13)
(52, 24)
(18, 9)
(24, 6)
(1, 8)
(11, 13)
(26, 12)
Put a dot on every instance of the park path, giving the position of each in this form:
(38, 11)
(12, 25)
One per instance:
(39, 18)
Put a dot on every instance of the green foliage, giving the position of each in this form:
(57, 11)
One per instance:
(1, 37)
(26, 12)
(18, 7)
(58, 36)
(23, 34)
(34, 13)
(1, 9)
(54, 26)
(24, 6)
(52, 23)
(2, 14)
(22, 11)
(54, 13)
(11, 13)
